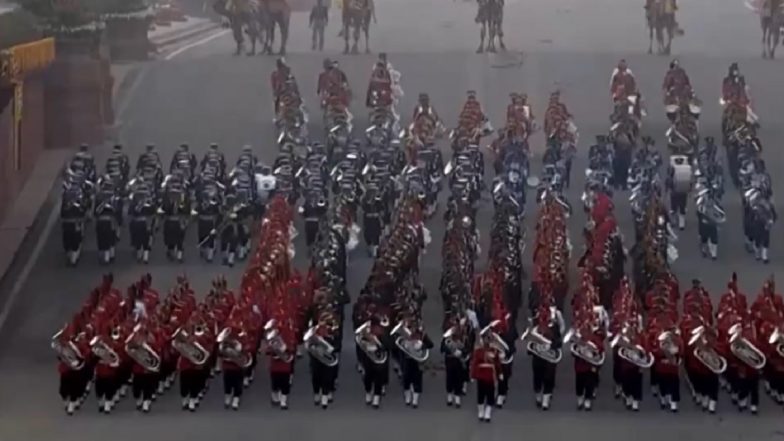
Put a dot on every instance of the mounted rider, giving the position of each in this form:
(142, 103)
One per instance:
(472, 118)
(519, 117)
(424, 108)
(333, 82)
(622, 83)
(379, 93)
(735, 96)
(558, 121)
(677, 89)
(278, 78)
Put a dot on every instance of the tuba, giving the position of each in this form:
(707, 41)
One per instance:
(584, 349)
(453, 345)
(319, 348)
(633, 353)
(184, 343)
(104, 352)
(745, 350)
(67, 352)
(275, 341)
(668, 345)
(410, 345)
(141, 352)
(541, 346)
(230, 349)
(706, 354)
(370, 344)
(777, 338)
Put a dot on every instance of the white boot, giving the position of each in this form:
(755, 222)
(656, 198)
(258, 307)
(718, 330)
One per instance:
(546, 401)
(284, 401)
(146, 256)
(587, 404)
(635, 405)
(146, 406)
(185, 402)
(275, 397)
(681, 221)
(407, 397)
(227, 401)
(500, 400)
(488, 412)
(317, 399)
(764, 254)
(449, 399)
(538, 399)
(368, 398)
(70, 407)
(712, 406)
(324, 401)
(246, 382)
(617, 391)
(673, 406)
(415, 400)
(235, 403)
(457, 401)
(376, 401)
(192, 404)
(329, 397)
(481, 412)
(101, 402)
(757, 253)
(580, 402)
(713, 249)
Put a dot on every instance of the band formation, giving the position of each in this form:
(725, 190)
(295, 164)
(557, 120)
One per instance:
(388, 180)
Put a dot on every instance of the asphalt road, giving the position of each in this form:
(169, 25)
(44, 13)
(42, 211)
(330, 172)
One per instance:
(207, 95)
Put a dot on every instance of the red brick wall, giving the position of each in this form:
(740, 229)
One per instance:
(33, 124)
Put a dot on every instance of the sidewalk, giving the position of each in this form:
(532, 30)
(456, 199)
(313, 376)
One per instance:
(179, 31)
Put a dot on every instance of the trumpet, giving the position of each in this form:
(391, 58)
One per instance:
(411, 346)
(275, 341)
(104, 352)
(68, 352)
(541, 346)
(584, 349)
(231, 349)
(745, 350)
(370, 344)
(320, 348)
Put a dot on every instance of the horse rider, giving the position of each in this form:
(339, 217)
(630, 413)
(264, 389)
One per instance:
(735, 91)
(278, 79)
(472, 116)
(149, 158)
(333, 82)
(622, 83)
(424, 108)
(557, 119)
(677, 89)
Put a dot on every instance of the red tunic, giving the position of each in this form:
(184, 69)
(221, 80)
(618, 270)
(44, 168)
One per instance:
(485, 365)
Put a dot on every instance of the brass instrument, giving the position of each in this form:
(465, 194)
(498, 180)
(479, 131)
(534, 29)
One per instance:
(319, 348)
(104, 352)
(706, 354)
(68, 352)
(189, 348)
(413, 347)
(453, 345)
(668, 345)
(231, 349)
(275, 341)
(370, 344)
(541, 346)
(634, 354)
(742, 348)
(584, 349)
(777, 338)
(141, 352)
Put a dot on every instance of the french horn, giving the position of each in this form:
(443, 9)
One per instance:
(777, 338)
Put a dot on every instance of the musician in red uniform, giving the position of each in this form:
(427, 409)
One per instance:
(193, 377)
(76, 373)
(234, 374)
(486, 370)
(587, 374)
(550, 324)
(375, 375)
(622, 83)
(665, 377)
(145, 378)
(456, 360)
(379, 93)
(108, 376)
(278, 81)
(282, 367)
(697, 311)
(556, 119)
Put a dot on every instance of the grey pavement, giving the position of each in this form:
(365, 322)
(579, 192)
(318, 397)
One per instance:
(207, 95)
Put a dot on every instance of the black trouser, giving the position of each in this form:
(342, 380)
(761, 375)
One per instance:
(311, 230)
(375, 377)
(709, 231)
(544, 376)
(144, 385)
(233, 382)
(106, 387)
(412, 374)
(631, 381)
(747, 388)
(669, 385)
(318, 36)
(485, 393)
(503, 383)
(705, 384)
(678, 202)
(73, 384)
(456, 375)
(322, 377)
(585, 384)
(568, 177)
(748, 223)
(621, 162)
(760, 234)
(190, 383)
(372, 228)
(280, 382)
(775, 379)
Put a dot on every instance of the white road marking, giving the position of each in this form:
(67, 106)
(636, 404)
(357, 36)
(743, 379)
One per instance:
(22, 278)
(196, 44)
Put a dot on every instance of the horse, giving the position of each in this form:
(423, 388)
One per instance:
(356, 16)
(490, 18)
(661, 18)
(243, 15)
(275, 14)
(772, 23)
